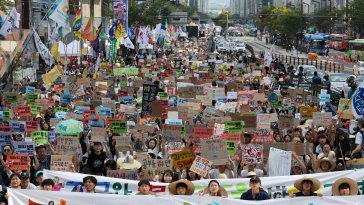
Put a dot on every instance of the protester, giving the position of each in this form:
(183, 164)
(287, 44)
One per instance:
(47, 185)
(214, 189)
(144, 188)
(345, 187)
(255, 193)
(90, 183)
(181, 187)
(307, 187)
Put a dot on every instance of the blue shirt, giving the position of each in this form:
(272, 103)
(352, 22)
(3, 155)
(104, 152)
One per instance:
(263, 195)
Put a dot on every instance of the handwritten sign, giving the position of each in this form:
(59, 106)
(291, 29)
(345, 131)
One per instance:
(234, 127)
(98, 134)
(123, 174)
(153, 167)
(18, 161)
(201, 166)
(322, 118)
(345, 110)
(215, 150)
(61, 163)
(24, 147)
(252, 153)
(182, 159)
(40, 137)
(200, 132)
(118, 126)
(67, 145)
(122, 141)
(299, 148)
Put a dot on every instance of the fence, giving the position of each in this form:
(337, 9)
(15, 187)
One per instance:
(319, 64)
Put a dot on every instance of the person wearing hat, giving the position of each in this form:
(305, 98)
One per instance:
(345, 187)
(306, 186)
(323, 165)
(144, 188)
(128, 163)
(25, 182)
(181, 187)
(255, 193)
(38, 177)
(214, 189)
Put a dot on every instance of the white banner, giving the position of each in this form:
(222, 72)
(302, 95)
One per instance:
(277, 187)
(11, 22)
(43, 50)
(25, 197)
(59, 12)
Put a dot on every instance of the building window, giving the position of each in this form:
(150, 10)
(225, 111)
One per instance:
(176, 19)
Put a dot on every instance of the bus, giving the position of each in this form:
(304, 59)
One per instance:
(340, 42)
(356, 50)
(315, 44)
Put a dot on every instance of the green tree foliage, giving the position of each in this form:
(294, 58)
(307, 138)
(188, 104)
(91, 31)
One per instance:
(5, 4)
(357, 14)
(220, 20)
(323, 19)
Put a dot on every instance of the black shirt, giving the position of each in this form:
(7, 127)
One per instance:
(96, 162)
(263, 195)
(301, 194)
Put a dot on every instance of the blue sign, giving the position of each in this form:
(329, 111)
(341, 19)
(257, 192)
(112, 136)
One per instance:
(174, 121)
(358, 102)
(66, 98)
(30, 89)
(96, 123)
(222, 99)
(127, 100)
(53, 136)
(104, 110)
(61, 115)
(80, 109)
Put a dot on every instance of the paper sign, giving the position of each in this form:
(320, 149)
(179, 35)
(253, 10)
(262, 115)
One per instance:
(322, 118)
(263, 121)
(123, 174)
(98, 134)
(5, 138)
(31, 126)
(252, 153)
(234, 127)
(118, 126)
(231, 147)
(18, 161)
(200, 132)
(215, 150)
(279, 162)
(24, 147)
(122, 141)
(61, 163)
(345, 110)
(11, 98)
(67, 145)
(299, 148)
(201, 166)
(182, 159)
(153, 167)
(40, 137)
(306, 112)
(18, 126)
(232, 95)
(23, 111)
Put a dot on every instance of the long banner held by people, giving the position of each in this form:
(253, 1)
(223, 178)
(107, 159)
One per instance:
(277, 187)
(26, 197)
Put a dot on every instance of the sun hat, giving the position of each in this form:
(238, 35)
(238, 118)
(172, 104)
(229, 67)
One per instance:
(130, 163)
(325, 159)
(173, 186)
(345, 180)
(315, 183)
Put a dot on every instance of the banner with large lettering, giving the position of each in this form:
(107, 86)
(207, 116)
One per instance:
(43, 50)
(59, 12)
(26, 197)
(277, 187)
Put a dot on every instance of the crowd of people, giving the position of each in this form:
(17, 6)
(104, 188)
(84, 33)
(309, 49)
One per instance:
(182, 63)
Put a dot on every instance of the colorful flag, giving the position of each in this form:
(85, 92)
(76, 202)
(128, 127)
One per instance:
(52, 75)
(43, 50)
(77, 21)
(120, 31)
(12, 22)
(59, 12)
(89, 33)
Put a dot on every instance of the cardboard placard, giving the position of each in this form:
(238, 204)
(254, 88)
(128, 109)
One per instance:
(252, 153)
(18, 161)
(201, 132)
(157, 109)
(322, 118)
(122, 141)
(215, 150)
(285, 122)
(40, 137)
(234, 127)
(182, 159)
(263, 121)
(299, 148)
(98, 134)
(306, 112)
(153, 167)
(123, 174)
(201, 166)
(24, 147)
(61, 163)
(345, 110)
(67, 145)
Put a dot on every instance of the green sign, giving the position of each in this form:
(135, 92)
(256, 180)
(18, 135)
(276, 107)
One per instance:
(122, 84)
(36, 109)
(234, 127)
(58, 109)
(11, 98)
(40, 137)
(117, 72)
(131, 71)
(231, 147)
(163, 95)
(119, 127)
(7, 115)
(31, 97)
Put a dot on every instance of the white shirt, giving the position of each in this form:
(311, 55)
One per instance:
(214, 173)
(331, 156)
(359, 140)
(244, 173)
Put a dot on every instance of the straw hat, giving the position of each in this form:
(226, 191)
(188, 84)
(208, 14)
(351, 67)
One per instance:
(325, 159)
(315, 183)
(251, 174)
(190, 187)
(130, 163)
(352, 184)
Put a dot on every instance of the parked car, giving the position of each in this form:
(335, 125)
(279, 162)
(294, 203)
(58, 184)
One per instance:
(240, 48)
(337, 80)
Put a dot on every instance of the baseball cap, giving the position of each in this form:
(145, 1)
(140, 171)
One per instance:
(24, 175)
(255, 179)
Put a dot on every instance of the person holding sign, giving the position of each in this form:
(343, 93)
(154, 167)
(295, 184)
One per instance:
(345, 187)
(214, 189)
(307, 187)
(181, 187)
(96, 157)
(255, 193)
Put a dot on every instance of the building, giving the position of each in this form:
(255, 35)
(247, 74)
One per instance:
(178, 18)
(237, 7)
(201, 5)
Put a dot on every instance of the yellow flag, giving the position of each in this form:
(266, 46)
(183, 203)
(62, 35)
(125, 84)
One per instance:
(52, 75)
(120, 31)
(54, 51)
(78, 34)
(95, 74)
(84, 74)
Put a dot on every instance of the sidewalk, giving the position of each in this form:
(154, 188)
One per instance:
(279, 50)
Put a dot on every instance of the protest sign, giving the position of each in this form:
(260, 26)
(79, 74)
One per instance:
(172, 133)
(182, 159)
(200, 132)
(5, 138)
(157, 109)
(201, 166)
(215, 150)
(234, 127)
(98, 134)
(306, 112)
(231, 146)
(40, 137)
(263, 121)
(11, 98)
(322, 118)
(24, 147)
(67, 145)
(252, 153)
(122, 141)
(23, 111)
(279, 162)
(299, 148)
(123, 174)
(61, 163)
(344, 110)
(153, 167)
(31, 126)
(149, 93)
(219, 129)
(31, 97)
(18, 161)
(18, 126)
(285, 122)
(118, 126)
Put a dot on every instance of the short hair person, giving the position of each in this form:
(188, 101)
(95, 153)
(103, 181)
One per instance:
(144, 188)
(255, 193)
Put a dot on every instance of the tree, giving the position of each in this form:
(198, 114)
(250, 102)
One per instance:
(357, 14)
(323, 19)
(221, 19)
(5, 4)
